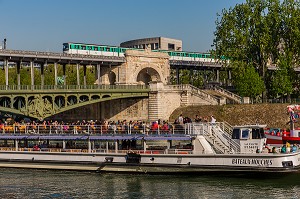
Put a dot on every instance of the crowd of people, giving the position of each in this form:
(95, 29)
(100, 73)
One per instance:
(286, 148)
(98, 126)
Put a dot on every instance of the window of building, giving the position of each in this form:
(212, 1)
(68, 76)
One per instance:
(171, 46)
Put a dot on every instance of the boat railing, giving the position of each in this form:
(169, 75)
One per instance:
(231, 144)
(156, 151)
(213, 131)
(90, 129)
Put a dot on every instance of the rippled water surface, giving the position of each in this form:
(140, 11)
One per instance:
(19, 183)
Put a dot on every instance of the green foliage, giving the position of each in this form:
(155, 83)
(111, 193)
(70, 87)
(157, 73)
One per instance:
(281, 80)
(247, 81)
(259, 33)
(49, 74)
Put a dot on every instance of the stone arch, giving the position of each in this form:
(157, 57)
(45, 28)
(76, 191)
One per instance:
(112, 78)
(147, 75)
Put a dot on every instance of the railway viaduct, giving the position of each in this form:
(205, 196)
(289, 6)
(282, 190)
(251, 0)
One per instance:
(133, 87)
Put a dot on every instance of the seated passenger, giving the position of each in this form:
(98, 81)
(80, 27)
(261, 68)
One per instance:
(294, 148)
(274, 150)
(283, 149)
(36, 148)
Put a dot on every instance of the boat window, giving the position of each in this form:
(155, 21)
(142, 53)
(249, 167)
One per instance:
(236, 134)
(262, 133)
(245, 134)
(255, 134)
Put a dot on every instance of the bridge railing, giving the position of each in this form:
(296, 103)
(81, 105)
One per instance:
(71, 87)
(53, 54)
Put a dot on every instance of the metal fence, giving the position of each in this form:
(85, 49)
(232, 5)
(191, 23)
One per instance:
(91, 129)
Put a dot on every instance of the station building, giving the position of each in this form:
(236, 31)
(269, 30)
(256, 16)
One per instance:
(156, 43)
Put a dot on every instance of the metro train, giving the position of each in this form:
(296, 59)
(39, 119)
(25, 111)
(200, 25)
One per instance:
(91, 49)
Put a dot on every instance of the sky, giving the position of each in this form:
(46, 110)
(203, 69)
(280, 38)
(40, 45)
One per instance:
(44, 25)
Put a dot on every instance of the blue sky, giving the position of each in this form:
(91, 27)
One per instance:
(43, 25)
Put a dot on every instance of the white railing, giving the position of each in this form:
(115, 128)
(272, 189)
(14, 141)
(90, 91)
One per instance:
(213, 132)
(72, 87)
(227, 141)
(91, 129)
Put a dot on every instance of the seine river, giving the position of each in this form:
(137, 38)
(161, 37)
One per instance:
(19, 183)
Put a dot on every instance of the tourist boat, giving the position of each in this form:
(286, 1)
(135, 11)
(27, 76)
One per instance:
(196, 147)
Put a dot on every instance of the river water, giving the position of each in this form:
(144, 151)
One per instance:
(21, 183)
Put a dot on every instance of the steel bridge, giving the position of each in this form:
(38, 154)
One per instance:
(43, 101)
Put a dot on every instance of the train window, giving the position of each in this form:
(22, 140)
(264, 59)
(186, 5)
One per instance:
(83, 47)
(65, 46)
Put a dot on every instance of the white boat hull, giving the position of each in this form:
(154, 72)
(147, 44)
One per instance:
(152, 163)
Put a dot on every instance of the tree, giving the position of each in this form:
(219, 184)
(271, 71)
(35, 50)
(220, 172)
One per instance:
(247, 81)
(258, 32)
(281, 80)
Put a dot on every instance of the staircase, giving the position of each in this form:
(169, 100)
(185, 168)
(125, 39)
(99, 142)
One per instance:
(192, 90)
(218, 135)
(221, 92)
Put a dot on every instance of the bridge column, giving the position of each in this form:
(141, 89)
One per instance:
(217, 75)
(177, 76)
(64, 74)
(42, 75)
(18, 74)
(6, 72)
(55, 74)
(98, 74)
(32, 74)
(78, 77)
(229, 78)
(191, 76)
(84, 75)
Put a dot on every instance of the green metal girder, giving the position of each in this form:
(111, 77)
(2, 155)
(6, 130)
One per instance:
(41, 104)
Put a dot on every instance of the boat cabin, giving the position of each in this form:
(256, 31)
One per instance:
(250, 137)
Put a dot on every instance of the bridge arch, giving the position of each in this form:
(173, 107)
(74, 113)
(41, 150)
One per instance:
(112, 78)
(147, 75)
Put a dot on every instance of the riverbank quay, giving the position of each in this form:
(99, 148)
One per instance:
(273, 115)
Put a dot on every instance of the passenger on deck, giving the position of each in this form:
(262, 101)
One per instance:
(283, 149)
(36, 148)
(213, 120)
(294, 148)
(274, 150)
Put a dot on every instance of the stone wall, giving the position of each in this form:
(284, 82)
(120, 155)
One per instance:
(119, 109)
(274, 115)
